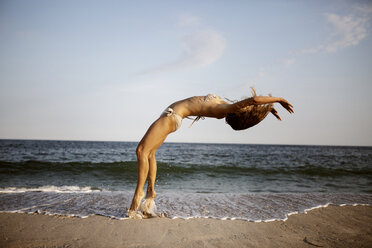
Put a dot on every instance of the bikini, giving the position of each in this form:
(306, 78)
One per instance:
(178, 118)
(210, 97)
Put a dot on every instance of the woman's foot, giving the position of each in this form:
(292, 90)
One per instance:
(136, 200)
(148, 209)
(133, 214)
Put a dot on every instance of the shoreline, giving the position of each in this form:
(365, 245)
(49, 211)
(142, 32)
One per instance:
(327, 226)
(254, 207)
(305, 211)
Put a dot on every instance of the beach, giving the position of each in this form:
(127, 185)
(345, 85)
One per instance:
(75, 194)
(332, 226)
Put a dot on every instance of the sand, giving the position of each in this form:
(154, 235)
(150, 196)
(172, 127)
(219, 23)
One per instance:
(333, 226)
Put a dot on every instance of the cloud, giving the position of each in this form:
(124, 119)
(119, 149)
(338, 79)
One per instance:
(202, 48)
(288, 62)
(188, 20)
(199, 49)
(363, 9)
(347, 30)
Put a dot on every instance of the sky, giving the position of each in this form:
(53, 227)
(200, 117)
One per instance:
(105, 70)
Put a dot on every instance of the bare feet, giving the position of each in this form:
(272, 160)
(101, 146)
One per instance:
(145, 212)
(150, 195)
(148, 209)
(133, 214)
(137, 200)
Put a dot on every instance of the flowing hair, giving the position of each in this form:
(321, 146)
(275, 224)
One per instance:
(248, 116)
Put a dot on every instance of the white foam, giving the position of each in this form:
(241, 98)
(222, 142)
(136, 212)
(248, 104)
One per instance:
(246, 207)
(45, 213)
(148, 210)
(306, 211)
(24, 210)
(319, 206)
(49, 188)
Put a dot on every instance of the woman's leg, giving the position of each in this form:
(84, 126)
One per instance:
(143, 168)
(150, 193)
(146, 150)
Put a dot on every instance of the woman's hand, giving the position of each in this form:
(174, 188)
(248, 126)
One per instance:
(275, 113)
(286, 105)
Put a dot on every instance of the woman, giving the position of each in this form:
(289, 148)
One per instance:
(239, 115)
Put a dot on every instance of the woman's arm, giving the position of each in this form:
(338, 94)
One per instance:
(258, 100)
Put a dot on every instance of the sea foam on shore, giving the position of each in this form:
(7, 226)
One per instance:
(346, 226)
(257, 207)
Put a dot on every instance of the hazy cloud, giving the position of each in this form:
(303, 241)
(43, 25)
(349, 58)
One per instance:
(363, 9)
(347, 30)
(202, 48)
(188, 20)
(288, 62)
(198, 49)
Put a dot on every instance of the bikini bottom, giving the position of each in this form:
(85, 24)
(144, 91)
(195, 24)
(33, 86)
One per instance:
(177, 118)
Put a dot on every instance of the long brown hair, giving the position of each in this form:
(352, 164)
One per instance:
(248, 116)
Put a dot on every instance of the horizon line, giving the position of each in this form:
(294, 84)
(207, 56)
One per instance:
(219, 143)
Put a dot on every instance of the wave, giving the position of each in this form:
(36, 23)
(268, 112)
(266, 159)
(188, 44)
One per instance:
(244, 206)
(130, 167)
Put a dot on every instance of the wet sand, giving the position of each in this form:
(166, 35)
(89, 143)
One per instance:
(333, 226)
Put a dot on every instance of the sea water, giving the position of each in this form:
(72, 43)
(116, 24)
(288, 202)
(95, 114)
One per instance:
(225, 181)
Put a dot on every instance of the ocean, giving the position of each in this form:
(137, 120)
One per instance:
(223, 181)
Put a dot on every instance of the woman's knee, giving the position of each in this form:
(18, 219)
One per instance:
(141, 152)
(151, 155)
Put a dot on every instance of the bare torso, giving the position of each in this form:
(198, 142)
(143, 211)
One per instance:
(199, 106)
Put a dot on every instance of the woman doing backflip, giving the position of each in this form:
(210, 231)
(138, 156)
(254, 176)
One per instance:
(239, 115)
